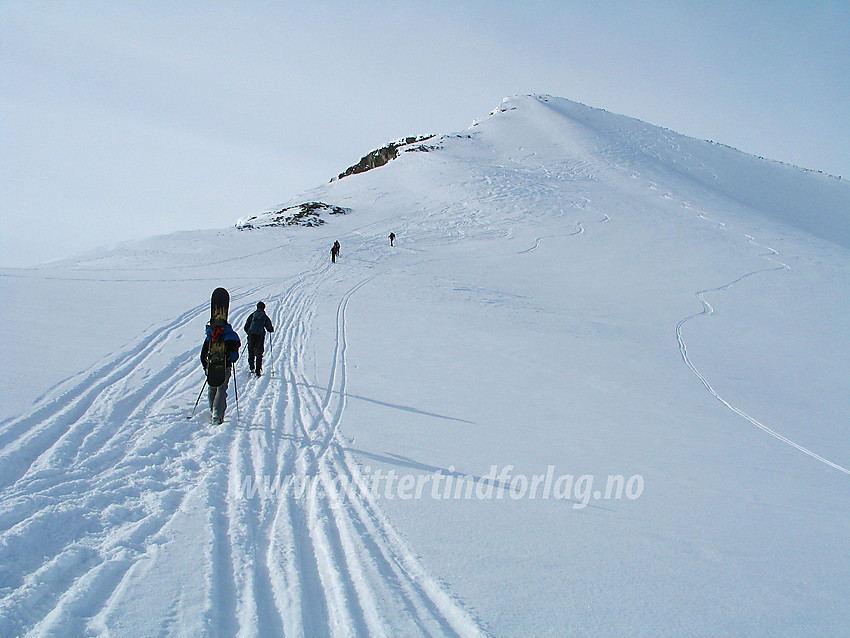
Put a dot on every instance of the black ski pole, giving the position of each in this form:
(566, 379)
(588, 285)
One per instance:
(236, 391)
(199, 400)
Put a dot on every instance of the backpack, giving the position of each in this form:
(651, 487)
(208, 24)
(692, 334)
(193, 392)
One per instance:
(258, 323)
(217, 354)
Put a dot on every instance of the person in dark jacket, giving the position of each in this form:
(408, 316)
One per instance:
(334, 251)
(256, 326)
(218, 395)
(392, 239)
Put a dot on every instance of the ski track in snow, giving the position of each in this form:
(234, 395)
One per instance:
(579, 231)
(583, 170)
(99, 482)
(707, 310)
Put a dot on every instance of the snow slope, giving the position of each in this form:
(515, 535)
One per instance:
(599, 386)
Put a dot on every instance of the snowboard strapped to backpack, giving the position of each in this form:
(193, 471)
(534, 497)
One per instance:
(217, 353)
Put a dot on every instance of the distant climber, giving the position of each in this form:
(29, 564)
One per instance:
(334, 251)
(256, 326)
(392, 239)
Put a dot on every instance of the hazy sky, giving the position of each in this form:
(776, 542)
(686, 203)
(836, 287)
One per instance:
(121, 120)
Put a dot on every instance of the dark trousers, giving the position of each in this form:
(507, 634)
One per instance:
(218, 398)
(256, 347)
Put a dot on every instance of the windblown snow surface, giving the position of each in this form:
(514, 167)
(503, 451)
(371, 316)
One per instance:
(599, 386)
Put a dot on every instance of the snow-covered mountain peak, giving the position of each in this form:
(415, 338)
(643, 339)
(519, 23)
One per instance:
(554, 139)
(564, 349)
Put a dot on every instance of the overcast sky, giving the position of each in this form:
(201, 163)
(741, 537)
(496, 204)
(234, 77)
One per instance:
(128, 119)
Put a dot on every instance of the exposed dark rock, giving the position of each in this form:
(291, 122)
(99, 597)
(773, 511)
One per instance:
(385, 154)
(422, 148)
(307, 214)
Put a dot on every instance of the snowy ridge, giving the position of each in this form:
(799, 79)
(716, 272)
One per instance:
(571, 294)
(812, 202)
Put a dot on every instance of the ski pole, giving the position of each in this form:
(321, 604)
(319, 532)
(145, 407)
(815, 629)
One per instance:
(269, 357)
(199, 400)
(236, 392)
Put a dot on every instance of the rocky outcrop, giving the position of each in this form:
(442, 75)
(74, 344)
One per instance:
(387, 153)
(310, 213)
(307, 214)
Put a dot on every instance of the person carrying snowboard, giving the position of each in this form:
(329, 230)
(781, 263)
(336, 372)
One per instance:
(219, 332)
(256, 326)
(334, 251)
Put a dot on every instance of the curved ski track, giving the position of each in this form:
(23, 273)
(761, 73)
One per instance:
(707, 309)
(92, 480)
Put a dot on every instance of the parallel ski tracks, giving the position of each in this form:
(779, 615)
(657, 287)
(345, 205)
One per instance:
(332, 564)
(92, 478)
(89, 479)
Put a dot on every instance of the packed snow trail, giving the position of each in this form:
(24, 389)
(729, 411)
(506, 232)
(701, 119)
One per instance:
(115, 499)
